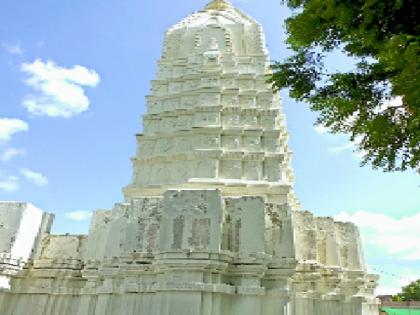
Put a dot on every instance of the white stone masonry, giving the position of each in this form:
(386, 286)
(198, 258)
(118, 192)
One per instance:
(210, 224)
(22, 227)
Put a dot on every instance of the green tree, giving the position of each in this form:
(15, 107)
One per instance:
(409, 293)
(378, 102)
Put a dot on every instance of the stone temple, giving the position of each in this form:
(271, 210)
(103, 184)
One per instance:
(210, 224)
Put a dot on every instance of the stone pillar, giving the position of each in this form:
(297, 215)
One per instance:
(189, 260)
(279, 244)
(22, 227)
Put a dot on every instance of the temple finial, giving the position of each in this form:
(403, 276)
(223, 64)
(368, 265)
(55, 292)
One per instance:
(218, 5)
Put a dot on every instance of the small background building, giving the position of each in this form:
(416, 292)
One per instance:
(388, 307)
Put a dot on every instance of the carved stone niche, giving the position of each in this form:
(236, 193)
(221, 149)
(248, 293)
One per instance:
(269, 119)
(230, 68)
(272, 169)
(175, 87)
(349, 243)
(261, 65)
(192, 84)
(245, 68)
(151, 124)
(172, 104)
(232, 117)
(246, 226)
(183, 144)
(253, 170)
(232, 140)
(231, 169)
(305, 236)
(265, 100)
(164, 71)
(159, 88)
(184, 122)
(210, 82)
(247, 101)
(252, 140)
(164, 146)
(209, 140)
(188, 101)
(211, 58)
(143, 174)
(194, 68)
(246, 83)
(327, 248)
(229, 82)
(279, 231)
(205, 119)
(168, 124)
(160, 173)
(182, 170)
(178, 71)
(271, 141)
(145, 146)
(191, 220)
(250, 117)
(230, 98)
(142, 230)
(210, 99)
(193, 60)
(207, 168)
(154, 105)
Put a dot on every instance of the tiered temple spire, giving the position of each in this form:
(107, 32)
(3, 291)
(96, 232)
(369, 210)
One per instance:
(213, 120)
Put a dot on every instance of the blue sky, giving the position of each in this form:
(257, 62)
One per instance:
(70, 155)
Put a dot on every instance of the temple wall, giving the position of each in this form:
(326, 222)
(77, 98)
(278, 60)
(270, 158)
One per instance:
(22, 227)
(98, 233)
(197, 252)
(191, 251)
(331, 275)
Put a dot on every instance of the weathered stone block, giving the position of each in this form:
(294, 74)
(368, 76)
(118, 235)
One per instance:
(191, 220)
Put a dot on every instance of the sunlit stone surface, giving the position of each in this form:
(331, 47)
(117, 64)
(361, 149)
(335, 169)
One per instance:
(210, 224)
(22, 226)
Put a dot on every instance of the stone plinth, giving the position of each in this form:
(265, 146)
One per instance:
(187, 252)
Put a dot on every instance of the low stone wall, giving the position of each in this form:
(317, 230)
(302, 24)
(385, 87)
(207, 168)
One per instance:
(409, 304)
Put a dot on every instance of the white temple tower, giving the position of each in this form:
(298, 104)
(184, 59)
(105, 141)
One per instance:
(210, 224)
(213, 121)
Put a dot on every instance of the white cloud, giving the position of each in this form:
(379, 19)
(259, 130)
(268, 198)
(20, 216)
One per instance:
(37, 178)
(320, 129)
(79, 215)
(352, 146)
(13, 48)
(395, 102)
(344, 147)
(397, 237)
(395, 242)
(58, 91)
(9, 184)
(10, 153)
(9, 126)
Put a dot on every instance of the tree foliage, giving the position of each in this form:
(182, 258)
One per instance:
(410, 292)
(378, 102)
